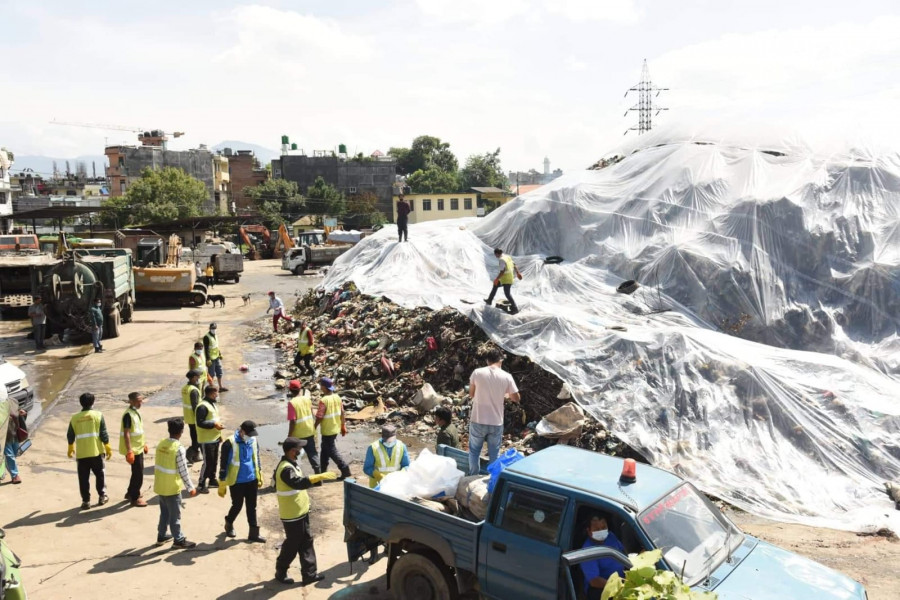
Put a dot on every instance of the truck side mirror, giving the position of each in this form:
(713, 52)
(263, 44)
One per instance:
(574, 558)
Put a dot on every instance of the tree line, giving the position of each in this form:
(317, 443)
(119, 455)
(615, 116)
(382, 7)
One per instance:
(430, 167)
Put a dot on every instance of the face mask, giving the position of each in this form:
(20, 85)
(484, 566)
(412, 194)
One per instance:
(599, 536)
(245, 438)
(198, 352)
(389, 444)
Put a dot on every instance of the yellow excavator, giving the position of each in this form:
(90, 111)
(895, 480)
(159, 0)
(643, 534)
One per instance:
(161, 277)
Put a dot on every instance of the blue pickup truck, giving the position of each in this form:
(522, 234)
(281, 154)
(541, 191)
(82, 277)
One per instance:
(530, 545)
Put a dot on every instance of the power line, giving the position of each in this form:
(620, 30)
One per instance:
(645, 106)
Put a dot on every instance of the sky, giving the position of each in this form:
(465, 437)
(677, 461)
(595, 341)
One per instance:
(533, 78)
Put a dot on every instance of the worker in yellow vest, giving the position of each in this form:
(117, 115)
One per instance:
(190, 399)
(306, 348)
(133, 448)
(170, 476)
(213, 355)
(293, 508)
(208, 427)
(302, 422)
(197, 362)
(506, 276)
(330, 417)
(384, 456)
(88, 440)
(240, 472)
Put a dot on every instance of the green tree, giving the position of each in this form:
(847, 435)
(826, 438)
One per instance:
(276, 200)
(433, 181)
(483, 170)
(324, 199)
(159, 195)
(362, 210)
(426, 152)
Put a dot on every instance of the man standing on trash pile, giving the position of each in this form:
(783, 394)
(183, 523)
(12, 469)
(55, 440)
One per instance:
(330, 417)
(213, 355)
(487, 388)
(505, 278)
(302, 423)
(190, 399)
(403, 209)
(170, 476)
(293, 508)
(305, 349)
(277, 305)
(88, 440)
(240, 471)
(384, 456)
(208, 427)
(447, 435)
(597, 572)
(133, 448)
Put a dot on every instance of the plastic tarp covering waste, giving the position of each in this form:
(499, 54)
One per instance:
(758, 356)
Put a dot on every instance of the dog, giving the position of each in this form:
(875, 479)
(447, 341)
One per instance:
(213, 298)
(246, 299)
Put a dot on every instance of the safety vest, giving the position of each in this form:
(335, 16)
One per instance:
(292, 504)
(208, 436)
(213, 345)
(166, 480)
(136, 431)
(385, 464)
(509, 274)
(235, 464)
(305, 425)
(86, 426)
(331, 422)
(198, 363)
(303, 345)
(189, 417)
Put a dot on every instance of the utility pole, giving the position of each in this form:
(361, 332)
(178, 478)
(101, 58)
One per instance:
(645, 106)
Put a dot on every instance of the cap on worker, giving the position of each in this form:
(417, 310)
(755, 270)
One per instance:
(249, 427)
(291, 443)
(388, 433)
(271, 293)
(327, 383)
(293, 384)
(213, 326)
(193, 373)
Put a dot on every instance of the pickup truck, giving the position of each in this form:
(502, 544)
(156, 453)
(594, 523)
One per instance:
(532, 541)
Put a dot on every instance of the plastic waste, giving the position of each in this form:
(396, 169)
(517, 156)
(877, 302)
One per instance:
(428, 476)
(509, 457)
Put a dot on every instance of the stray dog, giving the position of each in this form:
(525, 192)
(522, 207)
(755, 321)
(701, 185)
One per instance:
(246, 299)
(213, 298)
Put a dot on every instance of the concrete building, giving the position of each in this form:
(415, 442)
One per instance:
(431, 207)
(348, 175)
(27, 183)
(6, 203)
(245, 171)
(221, 183)
(127, 162)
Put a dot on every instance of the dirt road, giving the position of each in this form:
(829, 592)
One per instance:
(69, 553)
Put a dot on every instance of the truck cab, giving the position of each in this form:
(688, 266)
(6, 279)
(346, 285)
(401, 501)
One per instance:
(535, 538)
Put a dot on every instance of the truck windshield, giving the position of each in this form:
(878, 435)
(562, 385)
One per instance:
(694, 536)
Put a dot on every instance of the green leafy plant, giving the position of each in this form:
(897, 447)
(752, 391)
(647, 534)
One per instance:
(643, 581)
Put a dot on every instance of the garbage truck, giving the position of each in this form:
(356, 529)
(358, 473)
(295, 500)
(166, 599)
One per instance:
(534, 536)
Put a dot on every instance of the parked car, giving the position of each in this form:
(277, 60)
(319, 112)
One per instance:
(531, 543)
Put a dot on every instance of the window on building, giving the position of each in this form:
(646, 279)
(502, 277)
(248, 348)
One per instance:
(533, 514)
(351, 190)
(121, 161)
(467, 203)
(122, 186)
(440, 204)
(2, 197)
(454, 203)
(426, 204)
(70, 192)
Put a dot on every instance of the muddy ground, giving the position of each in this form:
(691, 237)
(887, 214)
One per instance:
(69, 553)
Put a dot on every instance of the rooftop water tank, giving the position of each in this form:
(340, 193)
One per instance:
(342, 148)
(284, 139)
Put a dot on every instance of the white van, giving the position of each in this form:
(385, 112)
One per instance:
(15, 384)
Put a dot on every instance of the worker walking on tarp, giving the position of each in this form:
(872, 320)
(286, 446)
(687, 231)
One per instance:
(330, 417)
(240, 471)
(190, 399)
(276, 304)
(384, 456)
(403, 209)
(508, 272)
(302, 422)
(306, 347)
(293, 508)
(88, 441)
(133, 448)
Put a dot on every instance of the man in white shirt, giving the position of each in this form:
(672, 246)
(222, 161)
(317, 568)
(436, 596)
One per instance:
(487, 387)
(277, 305)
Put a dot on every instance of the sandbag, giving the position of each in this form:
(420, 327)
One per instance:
(472, 493)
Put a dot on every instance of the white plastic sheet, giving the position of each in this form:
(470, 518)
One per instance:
(798, 254)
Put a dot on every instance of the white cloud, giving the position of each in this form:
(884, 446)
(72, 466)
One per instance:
(491, 12)
(620, 11)
(574, 64)
(485, 12)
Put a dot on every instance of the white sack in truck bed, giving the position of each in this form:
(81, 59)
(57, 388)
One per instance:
(472, 493)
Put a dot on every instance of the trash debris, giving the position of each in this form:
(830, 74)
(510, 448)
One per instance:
(472, 494)
(562, 424)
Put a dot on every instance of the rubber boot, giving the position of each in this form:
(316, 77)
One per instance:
(255, 537)
(345, 473)
(282, 576)
(229, 528)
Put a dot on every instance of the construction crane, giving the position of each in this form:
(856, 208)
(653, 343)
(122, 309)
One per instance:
(153, 137)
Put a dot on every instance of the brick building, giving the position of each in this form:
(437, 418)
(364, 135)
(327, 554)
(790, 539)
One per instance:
(245, 171)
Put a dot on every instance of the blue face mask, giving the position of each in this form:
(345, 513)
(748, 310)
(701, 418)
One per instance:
(389, 444)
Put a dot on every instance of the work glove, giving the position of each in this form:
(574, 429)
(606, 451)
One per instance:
(259, 483)
(71, 451)
(108, 451)
(192, 493)
(326, 476)
(146, 449)
(497, 282)
(223, 489)
(343, 429)
(129, 458)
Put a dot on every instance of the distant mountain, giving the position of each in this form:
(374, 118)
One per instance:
(43, 165)
(265, 155)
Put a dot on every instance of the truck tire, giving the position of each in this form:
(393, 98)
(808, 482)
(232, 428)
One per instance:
(419, 577)
(112, 324)
(237, 278)
(298, 270)
(198, 298)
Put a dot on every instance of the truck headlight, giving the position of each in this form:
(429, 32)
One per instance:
(23, 383)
